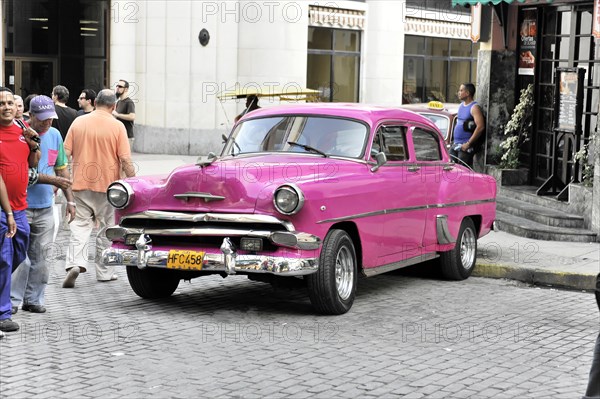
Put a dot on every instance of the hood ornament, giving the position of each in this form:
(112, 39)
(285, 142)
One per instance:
(208, 197)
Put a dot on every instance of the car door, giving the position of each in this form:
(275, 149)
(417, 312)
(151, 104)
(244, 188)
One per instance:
(401, 194)
(428, 156)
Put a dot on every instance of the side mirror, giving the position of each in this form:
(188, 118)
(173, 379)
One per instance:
(206, 160)
(224, 138)
(380, 159)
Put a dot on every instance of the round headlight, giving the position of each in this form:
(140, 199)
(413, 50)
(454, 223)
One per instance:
(288, 199)
(119, 194)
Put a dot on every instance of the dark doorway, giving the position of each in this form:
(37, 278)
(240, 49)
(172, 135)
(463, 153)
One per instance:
(50, 42)
(566, 41)
(25, 76)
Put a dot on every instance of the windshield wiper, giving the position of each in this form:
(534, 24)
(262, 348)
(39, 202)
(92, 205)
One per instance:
(308, 148)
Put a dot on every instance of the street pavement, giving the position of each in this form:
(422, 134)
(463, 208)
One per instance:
(409, 334)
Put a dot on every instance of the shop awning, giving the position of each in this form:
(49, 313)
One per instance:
(494, 2)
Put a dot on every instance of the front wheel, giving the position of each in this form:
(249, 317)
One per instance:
(458, 263)
(152, 283)
(333, 287)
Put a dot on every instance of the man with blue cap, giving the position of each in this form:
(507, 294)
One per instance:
(29, 280)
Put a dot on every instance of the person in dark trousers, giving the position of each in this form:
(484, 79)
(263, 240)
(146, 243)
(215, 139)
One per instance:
(125, 109)
(469, 127)
(593, 388)
(66, 114)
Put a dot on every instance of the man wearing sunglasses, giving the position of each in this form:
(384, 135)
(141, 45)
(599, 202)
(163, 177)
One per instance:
(86, 101)
(125, 109)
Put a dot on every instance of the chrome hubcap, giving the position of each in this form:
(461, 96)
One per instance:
(344, 272)
(468, 249)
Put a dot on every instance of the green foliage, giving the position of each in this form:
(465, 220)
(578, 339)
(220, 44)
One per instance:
(587, 168)
(517, 129)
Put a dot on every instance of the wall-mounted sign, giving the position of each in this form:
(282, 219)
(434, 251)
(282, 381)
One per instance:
(596, 20)
(475, 33)
(569, 99)
(527, 45)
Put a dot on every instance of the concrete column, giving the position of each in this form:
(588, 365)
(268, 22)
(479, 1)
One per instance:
(495, 69)
(382, 60)
(124, 20)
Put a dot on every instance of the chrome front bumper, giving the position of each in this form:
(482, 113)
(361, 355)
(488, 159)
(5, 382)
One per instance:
(228, 261)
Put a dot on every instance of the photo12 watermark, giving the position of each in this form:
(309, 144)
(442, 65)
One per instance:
(268, 332)
(77, 332)
(454, 333)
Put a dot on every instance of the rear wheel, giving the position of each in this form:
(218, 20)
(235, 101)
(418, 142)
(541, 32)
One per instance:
(333, 287)
(152, 283)
(458, 264)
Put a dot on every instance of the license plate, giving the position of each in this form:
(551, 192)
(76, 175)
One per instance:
(186, 260)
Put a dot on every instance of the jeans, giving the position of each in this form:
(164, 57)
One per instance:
(31, 277)
(464, 156)
(12, 253)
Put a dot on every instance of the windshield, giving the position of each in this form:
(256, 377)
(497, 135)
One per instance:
(319, 135)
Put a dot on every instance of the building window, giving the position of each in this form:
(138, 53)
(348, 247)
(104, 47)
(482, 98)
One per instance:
(333, 63)
(48, 42)
(434, 68)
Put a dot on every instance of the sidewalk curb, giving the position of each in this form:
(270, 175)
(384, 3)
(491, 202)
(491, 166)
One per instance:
(537, 276)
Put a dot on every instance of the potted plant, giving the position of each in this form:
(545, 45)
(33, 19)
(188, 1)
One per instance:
(507, 173)
(517, 130)
(587, 168)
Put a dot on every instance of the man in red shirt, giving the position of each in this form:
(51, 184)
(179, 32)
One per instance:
(19, 151)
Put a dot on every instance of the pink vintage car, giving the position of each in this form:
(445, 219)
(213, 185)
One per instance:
(313, 192)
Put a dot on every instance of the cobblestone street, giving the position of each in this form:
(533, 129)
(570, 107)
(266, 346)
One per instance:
(407, 335)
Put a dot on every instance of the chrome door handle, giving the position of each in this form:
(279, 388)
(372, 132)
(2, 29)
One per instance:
(447, 168)
(414, 168)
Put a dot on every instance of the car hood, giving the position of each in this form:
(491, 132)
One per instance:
(242, 184)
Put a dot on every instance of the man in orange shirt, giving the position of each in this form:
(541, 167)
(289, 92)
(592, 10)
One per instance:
(100, 150)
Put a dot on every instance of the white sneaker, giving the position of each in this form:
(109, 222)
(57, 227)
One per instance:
(71, 277)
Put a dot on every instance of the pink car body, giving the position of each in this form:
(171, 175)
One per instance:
(355, 209)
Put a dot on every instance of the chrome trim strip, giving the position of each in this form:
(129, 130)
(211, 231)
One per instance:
(407, 209)
(209, 217)
(206, 196)
(373, 271)
(216, 263)
(463, 203)
(443, 232)
(291, 239)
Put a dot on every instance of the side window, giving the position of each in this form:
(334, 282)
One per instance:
(391, 140)
(427, 146)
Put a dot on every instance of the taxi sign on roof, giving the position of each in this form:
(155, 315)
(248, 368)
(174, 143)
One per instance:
(435, 105)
